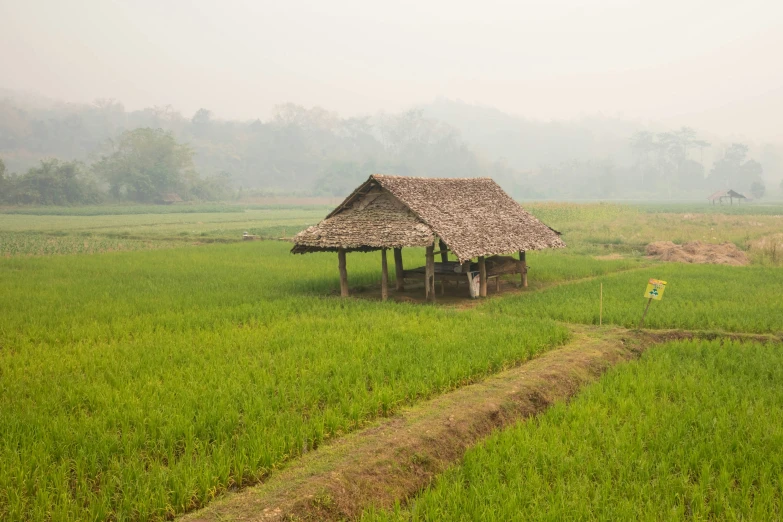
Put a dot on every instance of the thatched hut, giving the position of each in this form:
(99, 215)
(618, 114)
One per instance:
(731, 195)
(469, 217)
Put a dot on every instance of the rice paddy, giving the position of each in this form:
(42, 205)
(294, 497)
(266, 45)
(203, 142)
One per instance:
(144, 384)
(149, 363)
(691, 431)
(697, 297)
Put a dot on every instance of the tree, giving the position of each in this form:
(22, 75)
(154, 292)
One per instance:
(53, 183)
(3, 182)
(757, 189)
(735, 171)
(671, 166)
(145, 164)
(202, 117)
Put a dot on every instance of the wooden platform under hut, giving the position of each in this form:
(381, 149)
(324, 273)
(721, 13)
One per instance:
(469, 218)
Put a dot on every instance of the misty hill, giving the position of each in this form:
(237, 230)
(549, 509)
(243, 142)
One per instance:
(317, 152)
(530, 144)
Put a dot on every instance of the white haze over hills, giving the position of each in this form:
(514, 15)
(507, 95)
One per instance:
(709, 64)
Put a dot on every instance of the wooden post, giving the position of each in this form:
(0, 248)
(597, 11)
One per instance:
(398, 269)
(497, 284)
(483, 277)
(641, 323)
(343, 273)
(523, 268)
(444, 257)
(444, 251)
(601, 306)
(384, 276)
(429, 274)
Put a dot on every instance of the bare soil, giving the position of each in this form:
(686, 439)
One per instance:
(698, 252)
(399, 456)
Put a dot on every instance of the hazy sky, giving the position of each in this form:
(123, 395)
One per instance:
(713, 64)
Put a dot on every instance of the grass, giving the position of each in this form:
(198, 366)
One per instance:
(134, 209)
(16, 244)
(135, 385)
(36, 235)
(117, 210)
(144, 384)
(758, 208)
(697, 297)
(692, 431)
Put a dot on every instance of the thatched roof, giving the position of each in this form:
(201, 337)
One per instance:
(473, 216)
(725, 194)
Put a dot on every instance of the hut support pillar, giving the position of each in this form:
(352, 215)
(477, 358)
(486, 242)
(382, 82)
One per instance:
(429, 274)
(398, 269)
(384, 276)
(482, 277)
(444, 251)
(343, 273)
(523, 268)
(444, 258)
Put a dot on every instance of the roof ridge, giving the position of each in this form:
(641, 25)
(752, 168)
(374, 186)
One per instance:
(375, 176)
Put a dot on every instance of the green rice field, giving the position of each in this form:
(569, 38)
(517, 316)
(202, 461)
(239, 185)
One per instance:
(692, 431)
(138, 385)
(152, 361)
(697, 297)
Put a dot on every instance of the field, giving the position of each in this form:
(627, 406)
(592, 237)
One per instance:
(691, 431)
(151, 362)
(698, 297)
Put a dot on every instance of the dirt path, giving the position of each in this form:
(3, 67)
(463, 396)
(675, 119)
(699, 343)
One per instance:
(398, 456)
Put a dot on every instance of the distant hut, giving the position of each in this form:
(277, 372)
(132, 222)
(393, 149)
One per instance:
(726, 194)
(169, 198)
(469, 217)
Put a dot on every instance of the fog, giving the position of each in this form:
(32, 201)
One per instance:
(710, 65)
(674, 61)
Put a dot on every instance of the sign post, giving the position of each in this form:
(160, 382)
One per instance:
(655, 289)
(601, 306)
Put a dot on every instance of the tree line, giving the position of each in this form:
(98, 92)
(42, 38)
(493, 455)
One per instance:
(141, 155)
(143, 166)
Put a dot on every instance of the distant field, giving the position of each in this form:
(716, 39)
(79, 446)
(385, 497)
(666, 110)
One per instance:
(757, 208)
(24, 235)
(591, 229)
(179, 208)
(691, 432)
(600, 228)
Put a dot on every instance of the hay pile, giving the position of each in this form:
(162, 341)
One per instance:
(698, 252)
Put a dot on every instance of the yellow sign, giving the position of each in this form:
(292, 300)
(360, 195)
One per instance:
(655, 288)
